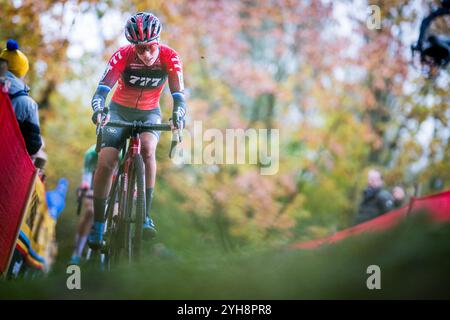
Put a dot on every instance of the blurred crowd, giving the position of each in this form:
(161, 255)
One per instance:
(378, 199)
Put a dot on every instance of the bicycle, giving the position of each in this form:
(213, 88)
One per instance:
(125, 210)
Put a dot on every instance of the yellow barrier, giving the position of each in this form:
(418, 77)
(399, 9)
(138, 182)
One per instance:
(36, 242)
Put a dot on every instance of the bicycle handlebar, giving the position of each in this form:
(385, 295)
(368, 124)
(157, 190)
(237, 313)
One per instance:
(139, 125)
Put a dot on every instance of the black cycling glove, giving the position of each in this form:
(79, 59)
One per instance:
(98, 103)
(179, 110)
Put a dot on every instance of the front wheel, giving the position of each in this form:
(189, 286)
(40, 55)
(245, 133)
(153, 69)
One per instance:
(113, 234)
(135, 208)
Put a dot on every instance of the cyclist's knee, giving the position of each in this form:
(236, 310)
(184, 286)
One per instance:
(107, 160)
(149, 147)
(89, 214)
(105, 168)
(148, 154)
(88, 203)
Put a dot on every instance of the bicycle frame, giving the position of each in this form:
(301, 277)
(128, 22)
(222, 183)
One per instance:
(134, 148)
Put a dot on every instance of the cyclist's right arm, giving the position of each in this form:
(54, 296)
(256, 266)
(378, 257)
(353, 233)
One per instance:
(116, 66)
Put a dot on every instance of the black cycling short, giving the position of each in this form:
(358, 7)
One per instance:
(116, 137)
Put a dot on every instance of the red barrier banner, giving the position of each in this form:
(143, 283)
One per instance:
(17, 174)
(437, 206)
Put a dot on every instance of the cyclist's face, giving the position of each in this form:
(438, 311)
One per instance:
(148, 53)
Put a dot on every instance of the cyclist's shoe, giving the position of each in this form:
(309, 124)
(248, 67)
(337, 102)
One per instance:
(95, 239)
(74, 260)
(149, 228)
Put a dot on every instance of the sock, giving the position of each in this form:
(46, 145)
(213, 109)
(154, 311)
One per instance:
(148, 200)
(77, 241)
(99, 210)
(81, 243)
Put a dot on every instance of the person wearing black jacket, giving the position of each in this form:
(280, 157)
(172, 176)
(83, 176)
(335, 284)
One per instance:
(376, 200)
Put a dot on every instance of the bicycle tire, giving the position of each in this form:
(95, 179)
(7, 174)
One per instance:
(112, 232)
(136, 182)
(140, 203)
(128, 217)
(121, 224)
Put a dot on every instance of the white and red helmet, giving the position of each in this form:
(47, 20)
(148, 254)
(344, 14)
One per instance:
(143, 27)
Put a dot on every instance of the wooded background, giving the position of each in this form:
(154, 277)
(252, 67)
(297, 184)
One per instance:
(346, 98)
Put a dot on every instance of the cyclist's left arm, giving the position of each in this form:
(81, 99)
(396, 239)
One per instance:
(176, 85)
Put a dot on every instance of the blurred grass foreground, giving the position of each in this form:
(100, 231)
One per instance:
(414, 259)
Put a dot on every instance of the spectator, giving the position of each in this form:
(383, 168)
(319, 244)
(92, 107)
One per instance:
(40, 160)
(399, 195)
(436, 183)
(25, 107)
(376, 200)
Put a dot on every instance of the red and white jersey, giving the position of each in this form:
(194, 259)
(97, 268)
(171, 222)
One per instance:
(140, 86)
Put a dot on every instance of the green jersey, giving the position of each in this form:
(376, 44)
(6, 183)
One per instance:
(90, 163)
(90, 159)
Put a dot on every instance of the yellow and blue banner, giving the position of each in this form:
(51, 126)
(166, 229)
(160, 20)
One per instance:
(36, 241)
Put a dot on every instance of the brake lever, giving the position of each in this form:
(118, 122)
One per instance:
(99, 138)
(99, 133)
(177, 137)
